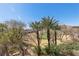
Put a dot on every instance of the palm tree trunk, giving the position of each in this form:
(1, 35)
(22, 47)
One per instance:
(48, 37)
(55, 37)
(38, 39)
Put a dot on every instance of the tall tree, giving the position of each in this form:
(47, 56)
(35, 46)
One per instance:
(48, 23)
(37, 26)
(56, 27)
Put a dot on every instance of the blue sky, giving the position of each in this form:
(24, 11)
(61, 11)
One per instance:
(65, 13)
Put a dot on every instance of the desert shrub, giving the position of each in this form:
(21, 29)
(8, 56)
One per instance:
(73, 45)
(62, 49)
(54, 50)
(67, 48)
(36, 50)
(13, 50)
(76, 45)
(59, 50)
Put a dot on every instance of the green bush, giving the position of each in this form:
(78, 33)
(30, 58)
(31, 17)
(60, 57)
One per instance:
(54, 50)
(67, 48)
(59, 50)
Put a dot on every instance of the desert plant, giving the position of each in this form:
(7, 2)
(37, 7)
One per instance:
(54, 50)
(16, 35)
(4, 41)
(67, 48)
(49, 23)
(37, 26)
(56, 27)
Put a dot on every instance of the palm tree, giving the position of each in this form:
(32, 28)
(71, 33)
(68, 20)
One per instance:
(37, 26)
(48, 23)
(56, 27)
